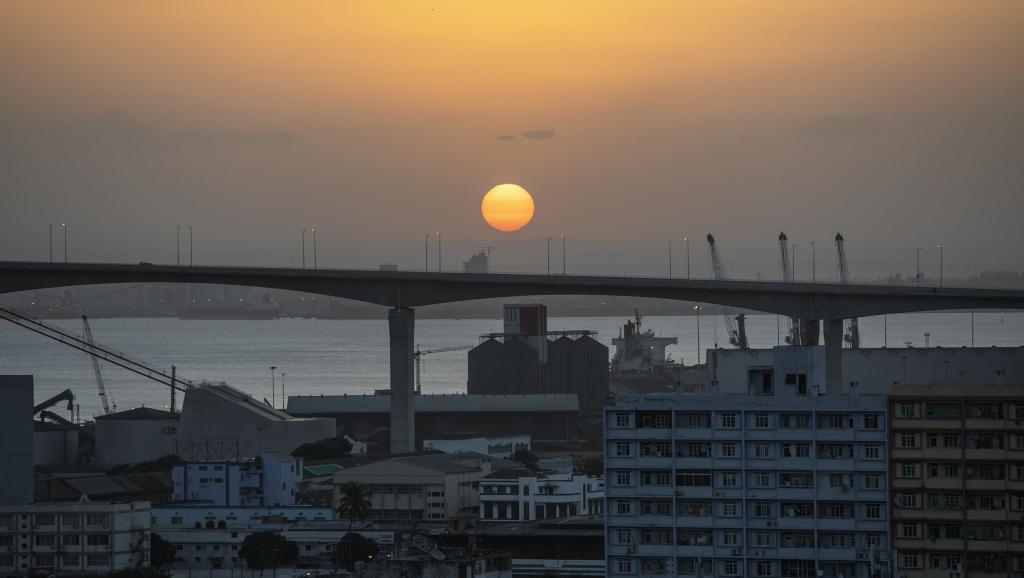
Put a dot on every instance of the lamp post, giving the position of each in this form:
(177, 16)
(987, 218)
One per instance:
(190, 245)
(563, 255)
(438, 251)
(792, 263)
(814, 262)
(670, 259)
(51, 242)
(698, 309)
(549, 256)
(687, 240)
(303, 248)
(314, 248)
(65, 227)
(177, 246)
(426, 252)
(273, 387)
(284, 400)
(918, 276)
(940, 263)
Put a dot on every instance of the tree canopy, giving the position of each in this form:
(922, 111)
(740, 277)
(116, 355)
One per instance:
(268, 549)
(325, 449)
(354, 502)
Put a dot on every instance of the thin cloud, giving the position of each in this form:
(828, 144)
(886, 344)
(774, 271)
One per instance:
(545, 134)
(507, 137)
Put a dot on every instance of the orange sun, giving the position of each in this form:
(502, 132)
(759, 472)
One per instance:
(507, 207)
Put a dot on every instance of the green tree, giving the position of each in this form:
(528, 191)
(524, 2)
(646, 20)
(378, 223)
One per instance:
(354, 548)
(267, 550)
(354, 503)
(161, 552)
(325, 449)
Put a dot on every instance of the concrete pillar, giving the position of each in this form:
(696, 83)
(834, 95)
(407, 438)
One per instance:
(833, 355)
(401, 322)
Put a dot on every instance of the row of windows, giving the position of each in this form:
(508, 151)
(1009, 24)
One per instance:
(954, 501)
(731, 420)
(756, 509)
(955, 410)
(959, 531)
(66, 560)
(755, 538)
(66, 540)
(754, 450)
(69, 520)
(758, 479)
(730, 567)
(947, 440)
(971, 471)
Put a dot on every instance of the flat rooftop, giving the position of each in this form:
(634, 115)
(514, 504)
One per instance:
(455, 403)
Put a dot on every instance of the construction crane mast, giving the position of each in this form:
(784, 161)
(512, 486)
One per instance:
(852, 333)
(419, 353)
(87, 335)
(736, 326)
(793, 333)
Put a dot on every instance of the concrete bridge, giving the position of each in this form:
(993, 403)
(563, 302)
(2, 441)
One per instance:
(402, 291)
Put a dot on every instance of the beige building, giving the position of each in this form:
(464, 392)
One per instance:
(957, 468)
(422, 487)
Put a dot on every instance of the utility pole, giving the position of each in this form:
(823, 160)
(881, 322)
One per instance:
(177, 247)
(698, 309)
(426, 252)
(284, 400)
(918, 267)
(670, 259)
(51, 242)
(940, 264)
(314, 267)
(438, 251)
(792, 261)
(190, 245)
(303, 248)
(814, 263)
(273, 387)
(65, 227)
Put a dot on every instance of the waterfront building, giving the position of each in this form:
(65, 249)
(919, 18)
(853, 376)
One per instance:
(76, 538)
(958, 480)
(266, 480)
(519, 494)
(774, 484)
(433, 486)
(494, 446)
(134, 436)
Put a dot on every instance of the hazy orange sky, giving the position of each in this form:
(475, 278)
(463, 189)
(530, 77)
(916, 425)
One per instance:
(899, 123)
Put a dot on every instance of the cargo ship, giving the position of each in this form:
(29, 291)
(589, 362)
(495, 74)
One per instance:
(640, 363)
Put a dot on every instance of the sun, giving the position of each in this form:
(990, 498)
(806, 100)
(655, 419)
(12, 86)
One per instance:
(507, 207)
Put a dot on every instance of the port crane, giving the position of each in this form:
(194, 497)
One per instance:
(735, 326)
(418, 356)
(852, 333)
(99, 352)
(104, 398)
(793, 333)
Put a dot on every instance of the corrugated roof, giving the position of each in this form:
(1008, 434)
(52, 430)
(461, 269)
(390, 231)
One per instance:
(328, 404)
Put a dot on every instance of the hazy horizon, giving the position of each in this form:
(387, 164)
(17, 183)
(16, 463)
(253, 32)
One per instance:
(630, 123)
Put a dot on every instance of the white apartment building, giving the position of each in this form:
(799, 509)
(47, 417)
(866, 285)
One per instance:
(267, 480)
(519, 494)
(494, 446)
(792, 486)
(73, 537)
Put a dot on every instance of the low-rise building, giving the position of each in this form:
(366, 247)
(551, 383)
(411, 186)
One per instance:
(519, 494)
(494, 446)
(433, 486)
(136, 435)
(266, 480)
(958, 480)
(73, 537)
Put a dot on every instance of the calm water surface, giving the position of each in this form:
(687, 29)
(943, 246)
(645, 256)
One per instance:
(351, 356)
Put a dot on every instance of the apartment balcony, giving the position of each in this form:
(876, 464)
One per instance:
(694, 521)
(834, 465)
(691, 491)
(837, 524)
(991, 515)
(986, 485)
(686, 463)
(831, 435)
(727, 552)
(654, 463)
(620, 463)
(986, 546)
(696, 433)
(796, 523)
(726, 434)
(763, 434)
(987, 454)
(973, 423)
(654, 433)
(656, 550)
(797, 553)
(656, 491)
(795, 434)
(796, 464)
(684, 551)
(793, 493)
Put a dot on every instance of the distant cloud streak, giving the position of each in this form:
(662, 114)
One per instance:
(838, 126)
(507, 137)
(545, 134)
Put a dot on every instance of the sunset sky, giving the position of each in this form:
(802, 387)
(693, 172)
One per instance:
(900, 124)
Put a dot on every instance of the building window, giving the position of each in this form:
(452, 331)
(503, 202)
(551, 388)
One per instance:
(762, 539)
(730, 509)
(624, 507)
(907, 409)
(622, 420)
(71, 539)
(624, 566)
(98, 520)
(908, 440)
(906, 500)
(624, 536)
(762, 509)
(45, 540)
(873, 512)
(761, 421)
(907, 470)
(622, 449)
(871, 421)
(909, 531)
(872, 452)
(762, 479)
(693, 478)
(728, 479)
(872, 481)
(728, 421)
(623, 478)
(730, 538)
(45, 520)
(97, 540)
(662, 420)
(731, 568)
(728, 450)
(762, 451)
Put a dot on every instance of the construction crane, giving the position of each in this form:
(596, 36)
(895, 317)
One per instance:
(87, 334)
(418, 355)
(793, 333)
(852, 333)
(98, 352)
(735, 326)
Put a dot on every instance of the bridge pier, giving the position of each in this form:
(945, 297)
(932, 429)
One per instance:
(401, 324)
(833, 355)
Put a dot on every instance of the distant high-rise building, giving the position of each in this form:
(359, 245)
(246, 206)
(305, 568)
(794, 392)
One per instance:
(16, 439)
(478, 263)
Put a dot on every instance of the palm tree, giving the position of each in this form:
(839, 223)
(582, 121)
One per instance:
(354, 503)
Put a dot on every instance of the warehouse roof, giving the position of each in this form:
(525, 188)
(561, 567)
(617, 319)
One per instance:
(328, 404)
